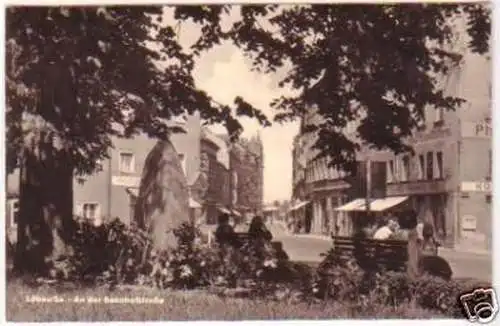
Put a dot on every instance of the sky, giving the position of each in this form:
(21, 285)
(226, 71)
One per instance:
(225, 73)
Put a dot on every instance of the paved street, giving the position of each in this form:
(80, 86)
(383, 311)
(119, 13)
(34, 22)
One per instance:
(308, 249)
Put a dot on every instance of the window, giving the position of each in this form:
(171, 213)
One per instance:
(430, 165)
(13, 212)
(421, 167)
(182, 159)
(322, 170)
(390, 171)
(405, 168)
(439, 165)
(488, 199)
(127, 162)
(92, 211)
(439, 116)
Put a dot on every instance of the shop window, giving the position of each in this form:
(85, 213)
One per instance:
(430, 165)
(421, 167)
(439, 166)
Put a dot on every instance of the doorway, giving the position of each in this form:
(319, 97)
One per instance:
(308, 218)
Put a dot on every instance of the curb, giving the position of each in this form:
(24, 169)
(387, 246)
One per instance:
(482, 253)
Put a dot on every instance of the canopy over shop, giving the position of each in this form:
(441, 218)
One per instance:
(362, 214)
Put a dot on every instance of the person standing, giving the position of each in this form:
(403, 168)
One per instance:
(429, 242)
(413, 248)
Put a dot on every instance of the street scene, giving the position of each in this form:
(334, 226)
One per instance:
(232, 162)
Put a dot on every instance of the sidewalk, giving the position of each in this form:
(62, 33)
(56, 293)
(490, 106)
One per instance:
(464, 251)
(442, 250)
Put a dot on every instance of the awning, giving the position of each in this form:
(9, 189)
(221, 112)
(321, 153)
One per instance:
(224, 210)
(193, 203)
(377, 205)
(299, 205)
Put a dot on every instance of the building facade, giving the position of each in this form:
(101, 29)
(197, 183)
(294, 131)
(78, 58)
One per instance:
(247, 176)
(112, 191)
(448, 180)
(317, 188)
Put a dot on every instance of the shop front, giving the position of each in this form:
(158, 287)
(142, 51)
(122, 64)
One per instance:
(357, 211)
(325, 196)
(433, 203)
(475, 216)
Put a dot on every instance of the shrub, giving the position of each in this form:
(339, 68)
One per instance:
(111, 253)
(338, 280)
(191, 263)
(441, 295)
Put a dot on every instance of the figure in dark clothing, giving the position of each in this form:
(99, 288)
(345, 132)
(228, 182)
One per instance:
(429, 243)
(224, 234)
(258, 230)
(260, 238)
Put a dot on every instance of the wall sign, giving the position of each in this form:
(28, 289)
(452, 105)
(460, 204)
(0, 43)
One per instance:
(469, 223)
(476, 186)
(481, 129)
(126, 181)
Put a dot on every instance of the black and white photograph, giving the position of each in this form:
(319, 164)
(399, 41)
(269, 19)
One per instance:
(234, 162)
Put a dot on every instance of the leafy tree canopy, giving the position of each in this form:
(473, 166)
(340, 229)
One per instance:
(377, 65)
(81, 68)
(78, 72)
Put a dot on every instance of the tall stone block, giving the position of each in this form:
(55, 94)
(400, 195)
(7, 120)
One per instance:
(163, 202)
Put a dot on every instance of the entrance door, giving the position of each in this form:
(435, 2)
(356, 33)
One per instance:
(308, 218)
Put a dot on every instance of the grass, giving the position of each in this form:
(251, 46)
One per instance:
(178, 305)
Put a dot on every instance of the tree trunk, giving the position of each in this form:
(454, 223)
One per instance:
(46, 204)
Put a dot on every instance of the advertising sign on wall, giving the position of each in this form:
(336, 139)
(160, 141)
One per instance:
(469, 223)
(476, 186)
(126, 181)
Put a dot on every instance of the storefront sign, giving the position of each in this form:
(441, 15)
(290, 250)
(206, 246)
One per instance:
(469, 223)
(417, 187)
(479, 186)
(480, 129)
(126, 181)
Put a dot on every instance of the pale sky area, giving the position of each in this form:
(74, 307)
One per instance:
(225, 73)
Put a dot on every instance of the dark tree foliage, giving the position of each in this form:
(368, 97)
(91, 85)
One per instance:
(374, 64)
(76, 77)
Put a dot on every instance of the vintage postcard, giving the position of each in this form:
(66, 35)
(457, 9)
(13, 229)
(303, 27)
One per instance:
(241, 162)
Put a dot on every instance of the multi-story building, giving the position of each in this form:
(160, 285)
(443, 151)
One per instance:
(112, 192)
(317, 188)
(246, 159)
(448, 180)
(215, 193)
